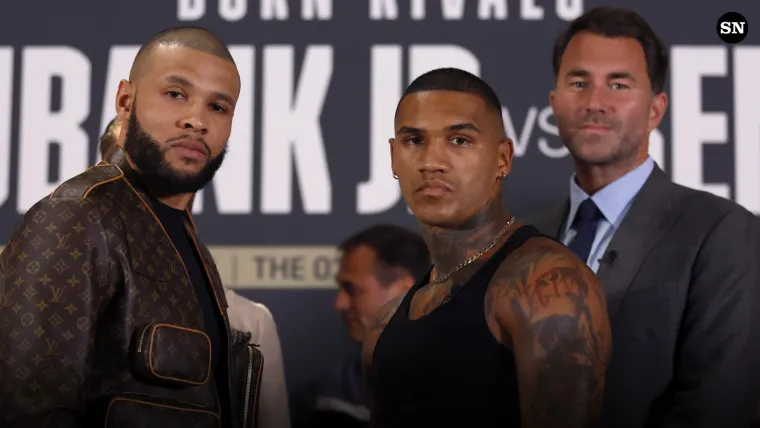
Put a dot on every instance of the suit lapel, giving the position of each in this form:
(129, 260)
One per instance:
(649, 217)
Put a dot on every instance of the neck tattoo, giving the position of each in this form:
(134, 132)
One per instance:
(476, 255)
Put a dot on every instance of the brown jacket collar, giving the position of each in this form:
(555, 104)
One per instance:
(118, 157)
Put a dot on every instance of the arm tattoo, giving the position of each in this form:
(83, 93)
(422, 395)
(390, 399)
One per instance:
(553, 309)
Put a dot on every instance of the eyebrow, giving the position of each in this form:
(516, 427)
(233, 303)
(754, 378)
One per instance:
(576, 72)
(181, 81)
(457, 127)
(409, 130)
(464, 127)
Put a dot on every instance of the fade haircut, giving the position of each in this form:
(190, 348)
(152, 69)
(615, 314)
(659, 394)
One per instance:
(615, 22)
(455, 80)
(399, 252)
(189, 37)
(109, 137)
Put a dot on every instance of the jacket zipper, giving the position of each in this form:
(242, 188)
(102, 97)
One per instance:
(142, 338)
(249, 376)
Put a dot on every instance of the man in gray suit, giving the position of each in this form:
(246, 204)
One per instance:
(679, 266)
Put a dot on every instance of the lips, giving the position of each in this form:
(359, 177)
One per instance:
(595, 127)
(191, 149)
(435, 188)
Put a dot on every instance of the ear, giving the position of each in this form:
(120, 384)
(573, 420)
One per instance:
(125, 98)
(657, 110)
(391, 142)
(552, 96)
(506, 154)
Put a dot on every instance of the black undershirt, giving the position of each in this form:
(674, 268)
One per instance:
(447, 369)
(173, 221)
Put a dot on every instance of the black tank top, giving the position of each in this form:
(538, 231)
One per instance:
(447, 369)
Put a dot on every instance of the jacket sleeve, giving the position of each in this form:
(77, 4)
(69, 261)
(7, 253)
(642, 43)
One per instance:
(51, 274)
(718, 361)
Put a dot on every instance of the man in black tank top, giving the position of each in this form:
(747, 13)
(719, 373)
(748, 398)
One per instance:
(509, 328)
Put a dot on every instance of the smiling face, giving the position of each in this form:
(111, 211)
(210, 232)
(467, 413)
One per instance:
(603, 102)
(179, 116)
(449, 153)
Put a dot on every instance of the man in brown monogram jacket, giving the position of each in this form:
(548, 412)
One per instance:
(112, 313)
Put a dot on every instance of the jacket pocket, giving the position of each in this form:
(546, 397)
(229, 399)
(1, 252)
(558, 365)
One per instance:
(171, 356)
(247, 366)
(147, 412)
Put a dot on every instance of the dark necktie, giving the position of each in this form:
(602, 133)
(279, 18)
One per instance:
(585, 222)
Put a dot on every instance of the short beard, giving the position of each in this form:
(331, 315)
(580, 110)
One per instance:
(150, 161)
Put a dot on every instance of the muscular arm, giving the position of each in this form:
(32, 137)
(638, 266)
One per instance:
(50, 273)
(718, 360)
(551, 311)
(368, 348)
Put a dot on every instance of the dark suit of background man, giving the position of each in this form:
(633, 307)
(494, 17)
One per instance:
(112, 312)
(679, 267)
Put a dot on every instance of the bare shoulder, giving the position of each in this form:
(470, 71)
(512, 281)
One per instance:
(544, 283)
(544, 269)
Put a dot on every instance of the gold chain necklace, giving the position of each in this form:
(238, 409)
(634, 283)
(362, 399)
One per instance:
(476, 255)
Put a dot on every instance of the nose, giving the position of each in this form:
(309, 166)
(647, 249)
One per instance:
(595, 100)
(341, 302)
(433, 157)
(194, 120)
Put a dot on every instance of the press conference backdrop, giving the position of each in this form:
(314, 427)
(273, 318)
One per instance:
(308, 157)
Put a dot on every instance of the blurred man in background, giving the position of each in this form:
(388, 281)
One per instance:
(378, 265)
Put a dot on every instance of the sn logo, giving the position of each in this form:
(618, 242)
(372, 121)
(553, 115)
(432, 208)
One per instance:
(732, 27)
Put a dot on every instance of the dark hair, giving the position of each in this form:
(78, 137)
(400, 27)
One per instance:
(108, 139)
(399, 251)
(616, 22)
(454, 79)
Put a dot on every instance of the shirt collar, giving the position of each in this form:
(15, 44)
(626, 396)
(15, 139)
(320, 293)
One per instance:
(614, 198)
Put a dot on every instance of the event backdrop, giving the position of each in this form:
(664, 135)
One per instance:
(309, 159)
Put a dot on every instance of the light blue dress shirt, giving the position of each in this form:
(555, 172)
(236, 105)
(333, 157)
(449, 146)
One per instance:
(613, 201)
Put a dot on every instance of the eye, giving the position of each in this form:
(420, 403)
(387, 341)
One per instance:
(459, 141)
(413, 140)
(619, 86)
(578, 84)
(348, 288)
(218, 108)
(174, 94)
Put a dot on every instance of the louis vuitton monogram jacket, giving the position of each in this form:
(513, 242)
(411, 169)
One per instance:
(99, 324)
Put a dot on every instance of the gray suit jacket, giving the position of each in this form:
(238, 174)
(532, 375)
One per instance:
(682, 283)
